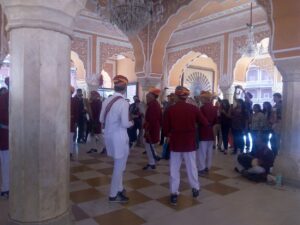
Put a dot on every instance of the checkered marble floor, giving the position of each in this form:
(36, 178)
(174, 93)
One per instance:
(148, 190)
(225, 197)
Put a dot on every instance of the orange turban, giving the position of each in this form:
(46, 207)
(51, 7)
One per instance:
(154, 91)
(182, 92)
(120, 80)
(206, 94)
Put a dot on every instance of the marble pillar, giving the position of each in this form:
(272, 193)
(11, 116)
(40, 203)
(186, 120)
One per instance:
(40, 38)
(228, 93)
(288, 162)
(147, 82)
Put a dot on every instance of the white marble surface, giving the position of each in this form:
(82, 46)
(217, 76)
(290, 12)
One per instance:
(39, 108)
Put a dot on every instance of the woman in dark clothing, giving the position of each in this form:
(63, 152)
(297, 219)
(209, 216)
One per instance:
(267, 128)
(238, 125)
(225, 121)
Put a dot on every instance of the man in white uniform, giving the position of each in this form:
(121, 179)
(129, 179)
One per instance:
(115, 117)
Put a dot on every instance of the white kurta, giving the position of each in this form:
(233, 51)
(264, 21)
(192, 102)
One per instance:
(116, 124)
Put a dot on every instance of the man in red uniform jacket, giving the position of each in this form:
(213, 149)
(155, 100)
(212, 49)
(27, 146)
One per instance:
(180, 123)
(206, 135)
(4, 144)
(153, 119)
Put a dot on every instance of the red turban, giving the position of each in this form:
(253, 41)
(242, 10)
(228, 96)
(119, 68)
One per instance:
(182, 92)
(120, 80)
(154, 91)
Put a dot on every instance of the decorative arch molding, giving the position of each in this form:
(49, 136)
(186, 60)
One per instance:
(238, 39)
(212, 50)
(109, 69)
(162, 38)
(82, 45)
(139, 53)
(106, 48)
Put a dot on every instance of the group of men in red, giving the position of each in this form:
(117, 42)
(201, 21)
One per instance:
(181, 122)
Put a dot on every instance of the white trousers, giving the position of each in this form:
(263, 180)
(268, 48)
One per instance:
(151, 160)
(204, 154)
(191, 168)
(253, 170)
(96, 141)
(4, 161)
(117, 176)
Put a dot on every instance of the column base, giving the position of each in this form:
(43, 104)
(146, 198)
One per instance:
(65, 219)
(287, 164)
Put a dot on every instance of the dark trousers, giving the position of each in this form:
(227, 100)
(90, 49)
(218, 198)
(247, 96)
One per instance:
(254, 135)
(162, 137)
(81, 133)
(275, 142)
(238, 140)
(225, 132)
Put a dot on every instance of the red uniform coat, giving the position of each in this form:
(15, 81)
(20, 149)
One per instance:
(96, 106)
(4, 115)
(211, 114)
(180, 122)
(153, 120)
(74, 114)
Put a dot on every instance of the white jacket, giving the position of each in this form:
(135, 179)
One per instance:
(116, 124)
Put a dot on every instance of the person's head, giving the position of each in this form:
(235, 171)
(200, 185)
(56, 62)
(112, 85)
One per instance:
(171, 98)
(276, 97)
(182, 93)
(225, 105)
(79, 93)
(94, 95)
(267, 107)
(135, 98)
(3, 90)
(120, 83)
(152, 94)
(205, 97)
(256, 108)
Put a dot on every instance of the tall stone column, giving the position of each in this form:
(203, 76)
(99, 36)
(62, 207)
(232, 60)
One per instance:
(228, 93)
(145, 83)
(40, 36)
(288, 161)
